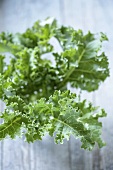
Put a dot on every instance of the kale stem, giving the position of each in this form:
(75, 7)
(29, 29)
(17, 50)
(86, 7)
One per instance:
(70, 71)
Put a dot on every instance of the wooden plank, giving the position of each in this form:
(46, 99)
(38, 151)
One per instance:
(88, 20)
(101, 22)
(1, 108)
(103, 13)
(75, 15)
(15, 154)
(1, 151)
(50, 156)
(45, 154)
(89, 16)
(1, 143)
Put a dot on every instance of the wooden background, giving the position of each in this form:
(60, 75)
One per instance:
(94, 15)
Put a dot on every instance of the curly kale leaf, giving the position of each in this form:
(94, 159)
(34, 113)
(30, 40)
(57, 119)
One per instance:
(33, 84)
(75, 117)
(2, 63)
(60, 116)
(81, 62)
(87, 64)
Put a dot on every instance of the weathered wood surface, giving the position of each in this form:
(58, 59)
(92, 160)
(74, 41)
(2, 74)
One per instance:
(94, 15)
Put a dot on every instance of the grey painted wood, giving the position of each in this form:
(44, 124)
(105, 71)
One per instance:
(95, 16)
(1, 143)
(80, 159)
(47, 155)
(103, 21)
(87, 15)
(18, 154)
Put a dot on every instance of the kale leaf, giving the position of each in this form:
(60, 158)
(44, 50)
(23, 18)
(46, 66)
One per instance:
(33, 85)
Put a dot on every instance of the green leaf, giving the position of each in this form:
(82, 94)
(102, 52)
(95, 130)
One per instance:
(4, 48)
(1, 63)
(11, 128)
(33, 83)
(61, 116)
(77, 118)
(87, 64)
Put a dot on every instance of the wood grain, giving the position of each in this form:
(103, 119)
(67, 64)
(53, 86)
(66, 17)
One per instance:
(40, 155)
(1, 143)
(47, 155)
(103, 13)
(80, 159)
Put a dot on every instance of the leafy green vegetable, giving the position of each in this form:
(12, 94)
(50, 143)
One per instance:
(33, 85)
